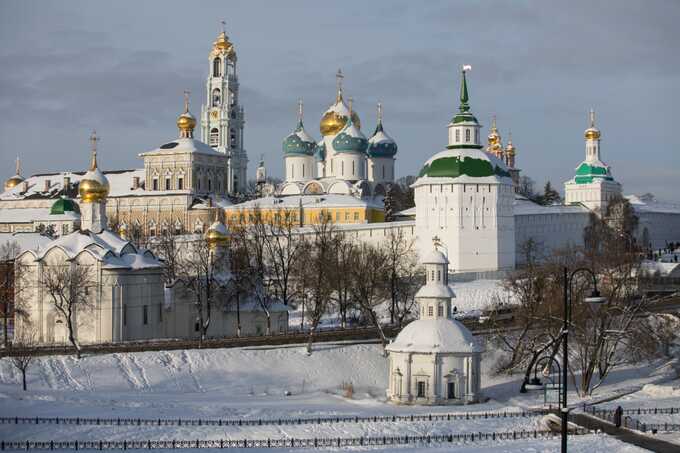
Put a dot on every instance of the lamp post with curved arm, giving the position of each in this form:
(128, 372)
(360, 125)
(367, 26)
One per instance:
(595, 298)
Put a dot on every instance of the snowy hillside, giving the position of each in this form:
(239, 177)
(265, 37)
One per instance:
(251, 383)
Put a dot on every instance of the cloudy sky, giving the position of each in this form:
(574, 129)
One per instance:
(120, 68)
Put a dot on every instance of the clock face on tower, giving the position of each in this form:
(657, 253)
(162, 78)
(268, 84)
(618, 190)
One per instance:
(214, 114)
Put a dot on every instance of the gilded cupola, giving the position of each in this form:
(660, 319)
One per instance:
(592, 133)
(223, 47)
(16, 179)
(93, 187)
(335, 118)
(495, 146)
(217, 235)
(186, 121)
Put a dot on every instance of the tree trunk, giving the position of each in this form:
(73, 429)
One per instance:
(5, 337)
(310, 340)
(72, 338)
(23, 378)
(238, 314)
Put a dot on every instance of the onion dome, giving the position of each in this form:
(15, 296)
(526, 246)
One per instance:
(466, 163)
(350, 140)
(592, 133)
(299, 142)
(64, 205)
(335, 118)
(320, 152)
(464, 114)
(16, 179)
(186, 121)
(93, 187)
(222, 46)
(217, 234)
(510, 149)
(380, 144)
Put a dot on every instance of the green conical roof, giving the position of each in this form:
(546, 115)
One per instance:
(464, 98)
(63, 205)
(464, 114)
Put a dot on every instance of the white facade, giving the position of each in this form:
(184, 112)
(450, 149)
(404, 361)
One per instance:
(222, 117)
(434, 360)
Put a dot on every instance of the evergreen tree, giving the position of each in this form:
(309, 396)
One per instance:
(389, 203)
(550, 195)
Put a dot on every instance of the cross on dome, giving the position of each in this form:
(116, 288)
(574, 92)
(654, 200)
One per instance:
(93, 146)
(300, 110)
(591, 116)
(186, 100)
(380, 112)
(18, 166)
(338, 83)
(224, 25)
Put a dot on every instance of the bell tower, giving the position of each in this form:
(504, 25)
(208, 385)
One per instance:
(222, 117)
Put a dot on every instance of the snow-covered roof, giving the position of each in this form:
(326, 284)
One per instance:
(435, 291)
(109, 248)
(120, 183)
(664, 269)
(648, 203)
(434, 256)
(463, 165)
(25, 240)
(28, 215)
(435, 335)
(524, 206)
(183, 145)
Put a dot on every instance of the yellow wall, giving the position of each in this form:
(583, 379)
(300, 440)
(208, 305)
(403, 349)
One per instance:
(311, 215)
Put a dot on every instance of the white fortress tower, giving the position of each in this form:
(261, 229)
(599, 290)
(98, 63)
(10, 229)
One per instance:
(593, 185)
(464, 196)
(222, 117)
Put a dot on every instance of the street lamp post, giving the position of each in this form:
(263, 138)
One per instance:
(594, 298)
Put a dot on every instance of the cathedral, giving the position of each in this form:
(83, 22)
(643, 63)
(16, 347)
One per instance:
(465, 194)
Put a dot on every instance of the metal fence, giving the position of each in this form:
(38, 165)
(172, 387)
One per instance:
(316, 442)
(270, 421)
(633, 422)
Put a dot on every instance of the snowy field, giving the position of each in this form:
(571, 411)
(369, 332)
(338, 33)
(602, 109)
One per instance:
(251, 383)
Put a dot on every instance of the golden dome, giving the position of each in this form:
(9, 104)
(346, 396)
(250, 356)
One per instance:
(494, 137)
(222, 46)
(13, 182)
(333, 122)
(217, 234)
(510, 149)
(16, 179)
(186, 122)
(94, 187)
(592, 133)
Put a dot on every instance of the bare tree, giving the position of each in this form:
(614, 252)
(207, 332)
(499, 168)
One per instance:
(24, 354)
(368, 275)
(240, 284)
(400, 263)
(166, 247)
(202, 272)
(68, 288)
(258, 262)
(283, 247)
(9, 290)
(345, 248)
(317, 270)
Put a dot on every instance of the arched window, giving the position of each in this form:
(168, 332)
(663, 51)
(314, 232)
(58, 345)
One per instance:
(352, 168)
(457, 135)
(216, 97)
(342, 168)
(232, 138)
(209, 185)
(467, 135)
(216, 67)
(214, 137)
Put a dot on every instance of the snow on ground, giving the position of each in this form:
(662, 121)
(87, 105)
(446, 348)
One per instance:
(250, 383)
